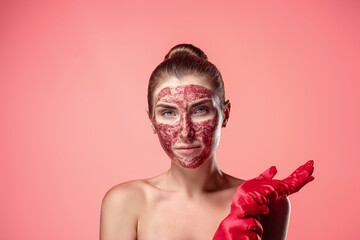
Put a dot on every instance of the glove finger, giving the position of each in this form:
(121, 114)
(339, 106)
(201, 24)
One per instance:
(300, 177)
(310, 178)
(304, 170)
(254, 226)
(267, 174)
(247, 235)
(244, 235)
(254, 210)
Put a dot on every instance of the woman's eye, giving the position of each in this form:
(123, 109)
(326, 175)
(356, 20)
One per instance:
(202, 110)
(168, 113)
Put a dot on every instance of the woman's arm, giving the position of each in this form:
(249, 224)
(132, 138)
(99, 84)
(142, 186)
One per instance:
(119, 213)
(275, 223)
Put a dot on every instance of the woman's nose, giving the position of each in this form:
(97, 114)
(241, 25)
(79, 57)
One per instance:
(187, 127)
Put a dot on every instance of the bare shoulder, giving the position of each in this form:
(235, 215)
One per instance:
(127, 192)
(275, 223)
(120, 208)
(283, 205)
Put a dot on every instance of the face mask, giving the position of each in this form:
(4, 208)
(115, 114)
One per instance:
(189, 133)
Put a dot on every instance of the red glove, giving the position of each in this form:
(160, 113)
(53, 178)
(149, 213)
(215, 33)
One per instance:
(235, 228)
(252, 197)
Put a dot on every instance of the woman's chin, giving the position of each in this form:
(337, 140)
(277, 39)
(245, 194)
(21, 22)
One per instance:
(190, 162)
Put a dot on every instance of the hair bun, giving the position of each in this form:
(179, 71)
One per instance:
(185, 49)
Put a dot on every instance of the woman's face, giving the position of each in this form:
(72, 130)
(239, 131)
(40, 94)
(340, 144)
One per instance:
(187, 118)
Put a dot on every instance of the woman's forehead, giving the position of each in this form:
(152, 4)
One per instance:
(184, 93)
(189, 86)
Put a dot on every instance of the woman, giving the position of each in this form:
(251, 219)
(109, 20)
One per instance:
(192, 200)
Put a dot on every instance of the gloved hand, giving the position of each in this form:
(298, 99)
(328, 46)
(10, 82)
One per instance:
(252, 197)
(239, 228)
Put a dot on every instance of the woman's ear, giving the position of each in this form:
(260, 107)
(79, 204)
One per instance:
(153, 128)
(151, 124)
(227, 107)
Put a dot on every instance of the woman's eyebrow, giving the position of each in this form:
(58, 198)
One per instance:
(201, 102)
(165, 106)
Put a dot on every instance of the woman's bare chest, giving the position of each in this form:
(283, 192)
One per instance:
(172, 219)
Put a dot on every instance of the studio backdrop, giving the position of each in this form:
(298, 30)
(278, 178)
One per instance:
(73, 85)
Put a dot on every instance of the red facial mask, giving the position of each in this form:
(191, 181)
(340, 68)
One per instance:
(198, 137)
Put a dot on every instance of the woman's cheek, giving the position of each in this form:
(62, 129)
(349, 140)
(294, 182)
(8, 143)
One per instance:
(167, 136)
(206, 132)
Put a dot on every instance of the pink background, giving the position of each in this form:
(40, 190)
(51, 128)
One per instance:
(73, 80)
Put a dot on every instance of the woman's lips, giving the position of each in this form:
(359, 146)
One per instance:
(188, 150)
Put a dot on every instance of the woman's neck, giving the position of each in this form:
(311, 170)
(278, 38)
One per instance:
(206, 178)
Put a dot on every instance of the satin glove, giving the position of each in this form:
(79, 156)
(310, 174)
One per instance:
(239, 228)
(253, 196)
(251, 199)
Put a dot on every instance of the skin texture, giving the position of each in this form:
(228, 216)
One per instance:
(188, 201)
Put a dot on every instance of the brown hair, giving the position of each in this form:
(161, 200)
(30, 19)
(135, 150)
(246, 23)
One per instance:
(183, 60)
